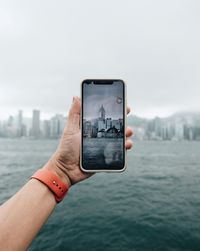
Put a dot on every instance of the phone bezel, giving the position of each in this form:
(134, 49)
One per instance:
(124, 120)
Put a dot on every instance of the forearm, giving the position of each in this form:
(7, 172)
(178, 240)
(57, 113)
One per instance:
(23, 215)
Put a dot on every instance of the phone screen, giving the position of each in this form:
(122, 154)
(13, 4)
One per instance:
(103, 137)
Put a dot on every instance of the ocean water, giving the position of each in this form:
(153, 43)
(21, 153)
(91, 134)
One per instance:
(153, 205)
(103, 153)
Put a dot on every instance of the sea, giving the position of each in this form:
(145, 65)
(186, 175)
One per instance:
(153, 205)
(103, 153)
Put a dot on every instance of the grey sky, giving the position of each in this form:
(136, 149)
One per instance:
(48, 47)
(97, 95)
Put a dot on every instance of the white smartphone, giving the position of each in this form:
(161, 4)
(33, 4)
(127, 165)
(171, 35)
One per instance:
(103, 125)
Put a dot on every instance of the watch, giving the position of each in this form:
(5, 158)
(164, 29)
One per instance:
(53, 182)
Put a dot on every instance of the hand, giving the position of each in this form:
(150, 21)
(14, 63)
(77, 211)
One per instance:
(65, 161)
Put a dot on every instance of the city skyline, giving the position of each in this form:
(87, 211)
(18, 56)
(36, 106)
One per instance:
(28, 113)
(179, 126)
(103, 126)
(32, 127)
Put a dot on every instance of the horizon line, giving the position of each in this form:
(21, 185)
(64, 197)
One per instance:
(47, 116)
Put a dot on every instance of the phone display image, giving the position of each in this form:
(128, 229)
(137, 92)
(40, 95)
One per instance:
(103, 125)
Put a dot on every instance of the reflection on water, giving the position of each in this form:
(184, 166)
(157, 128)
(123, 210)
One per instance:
(102, 153)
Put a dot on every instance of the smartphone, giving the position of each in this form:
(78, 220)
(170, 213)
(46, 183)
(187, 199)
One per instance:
(103, 124)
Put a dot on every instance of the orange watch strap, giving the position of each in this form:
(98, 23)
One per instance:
(53, 182)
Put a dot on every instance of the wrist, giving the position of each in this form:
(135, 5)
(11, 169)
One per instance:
(51, 166)
(53, 181)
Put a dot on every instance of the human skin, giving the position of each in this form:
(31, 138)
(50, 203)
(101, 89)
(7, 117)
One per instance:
(23, 215)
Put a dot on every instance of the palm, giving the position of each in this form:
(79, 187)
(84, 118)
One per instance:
(68, 156)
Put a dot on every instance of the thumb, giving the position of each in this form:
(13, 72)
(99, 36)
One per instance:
(73, 120)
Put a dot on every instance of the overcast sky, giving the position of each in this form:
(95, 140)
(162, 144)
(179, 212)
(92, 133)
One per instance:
(110, 96)
(48, 47)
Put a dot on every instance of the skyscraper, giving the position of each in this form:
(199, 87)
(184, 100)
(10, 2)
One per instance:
(57, 124)
(20, 123)
(108, 123)
(102, 112)
(46, 129)
(35, 130)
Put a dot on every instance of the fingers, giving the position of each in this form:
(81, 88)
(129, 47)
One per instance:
(73, 120)
(129, 131)
(128, 109)
(128, 144)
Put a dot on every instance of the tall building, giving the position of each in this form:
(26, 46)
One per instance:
(10, 128)
(88, 129)
(20, 124)
(102, 112)
(35, 130)
(46, 129)
(20, 119)
(108, 123)
(179, 130)
(10, 121)
(57, 124)
(158, 127)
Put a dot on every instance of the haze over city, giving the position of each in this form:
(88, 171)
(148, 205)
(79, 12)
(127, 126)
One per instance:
(153, 46)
